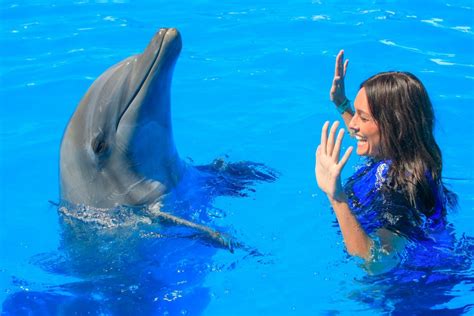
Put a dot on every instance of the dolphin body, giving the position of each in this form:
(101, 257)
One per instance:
(118, 154)
(118, 147)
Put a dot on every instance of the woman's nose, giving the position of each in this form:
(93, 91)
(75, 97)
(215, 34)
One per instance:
(353, 124)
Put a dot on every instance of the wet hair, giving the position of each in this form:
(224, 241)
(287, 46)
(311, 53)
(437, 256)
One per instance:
(402, 109)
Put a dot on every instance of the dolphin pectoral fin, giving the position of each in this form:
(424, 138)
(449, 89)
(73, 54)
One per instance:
(220, 239)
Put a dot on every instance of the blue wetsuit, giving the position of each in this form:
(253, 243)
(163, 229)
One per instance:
(376, 205)
(431, 263)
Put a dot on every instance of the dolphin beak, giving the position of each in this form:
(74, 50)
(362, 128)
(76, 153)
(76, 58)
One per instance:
(165, 46)
(154, 66)
(172, 40)
(159, 55)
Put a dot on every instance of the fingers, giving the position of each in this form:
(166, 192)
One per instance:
(337, 147)
(341, 65)
(330, 141)
(336, 93)
(338, 66)
(331, 145)
(324, 137)
(336, 86)
(346, 156)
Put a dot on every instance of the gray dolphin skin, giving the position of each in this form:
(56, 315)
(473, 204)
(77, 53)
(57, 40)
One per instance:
(118, 147)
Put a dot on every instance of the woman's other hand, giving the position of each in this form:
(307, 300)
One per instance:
(328, 166)
(337, 92)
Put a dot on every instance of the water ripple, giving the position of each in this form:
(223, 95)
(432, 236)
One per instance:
(414, 49)
(447, 63)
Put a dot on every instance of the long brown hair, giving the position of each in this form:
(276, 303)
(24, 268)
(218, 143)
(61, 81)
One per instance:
(402, 109)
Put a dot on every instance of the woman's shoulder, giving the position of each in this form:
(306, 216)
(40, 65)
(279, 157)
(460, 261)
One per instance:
(368, 183)
(372, 172)
(379, 203)
(381, 173)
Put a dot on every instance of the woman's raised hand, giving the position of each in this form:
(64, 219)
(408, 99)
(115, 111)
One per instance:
(337, 92)
(328, 166)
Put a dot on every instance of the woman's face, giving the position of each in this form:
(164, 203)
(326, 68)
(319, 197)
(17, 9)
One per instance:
(364, 127)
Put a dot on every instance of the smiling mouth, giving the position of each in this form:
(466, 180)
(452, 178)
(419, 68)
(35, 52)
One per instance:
(357, 137)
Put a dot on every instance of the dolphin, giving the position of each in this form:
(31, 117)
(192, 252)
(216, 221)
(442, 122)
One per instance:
(118, 150)
(118, 146)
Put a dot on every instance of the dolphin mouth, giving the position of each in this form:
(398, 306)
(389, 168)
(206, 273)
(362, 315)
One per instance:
(166, 39)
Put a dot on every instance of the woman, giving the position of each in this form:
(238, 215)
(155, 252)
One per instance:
(398, 195)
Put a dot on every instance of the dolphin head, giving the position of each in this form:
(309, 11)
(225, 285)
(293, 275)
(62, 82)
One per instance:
(118, 147)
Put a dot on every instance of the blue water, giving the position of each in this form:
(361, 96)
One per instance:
(251, 84)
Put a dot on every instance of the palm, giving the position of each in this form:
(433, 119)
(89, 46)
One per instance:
(328, 175)
(328, 166)
(338, 90)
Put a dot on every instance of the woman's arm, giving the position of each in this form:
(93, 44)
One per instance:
(328, 176)
(357, 242)
(337, 93)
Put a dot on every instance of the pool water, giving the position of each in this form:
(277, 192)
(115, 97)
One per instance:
(251, 84)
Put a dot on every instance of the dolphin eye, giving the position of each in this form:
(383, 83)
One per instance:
(99, 146)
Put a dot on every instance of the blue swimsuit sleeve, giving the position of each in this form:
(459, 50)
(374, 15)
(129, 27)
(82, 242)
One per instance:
(378, 206)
